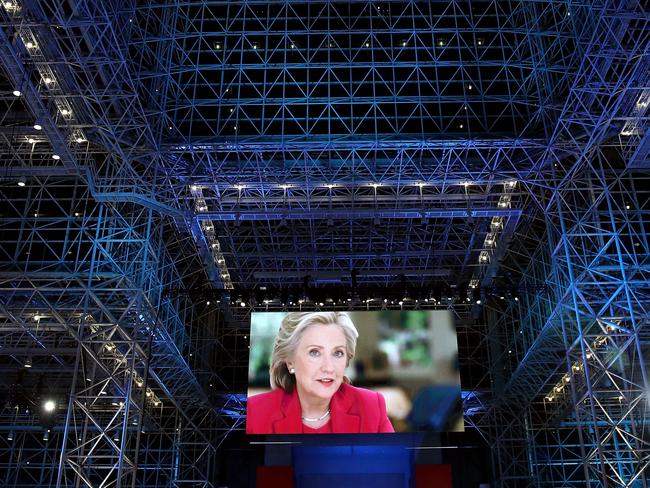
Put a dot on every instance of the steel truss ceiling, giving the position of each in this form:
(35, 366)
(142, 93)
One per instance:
(488, 149)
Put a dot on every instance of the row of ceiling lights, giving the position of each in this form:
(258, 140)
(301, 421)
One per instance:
(367, 44)
(510, 184)
(48, 79)
(577, 367)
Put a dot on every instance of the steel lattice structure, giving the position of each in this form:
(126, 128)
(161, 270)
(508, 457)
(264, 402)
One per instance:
(487, 156)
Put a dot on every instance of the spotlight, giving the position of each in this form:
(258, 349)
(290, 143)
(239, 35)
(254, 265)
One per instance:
(22, 181)
(56, 157)
(16, 93)
(49, 406)
(38, 126)
(28, 362)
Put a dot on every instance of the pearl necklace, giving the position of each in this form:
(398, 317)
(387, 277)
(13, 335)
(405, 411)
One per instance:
(324, 416)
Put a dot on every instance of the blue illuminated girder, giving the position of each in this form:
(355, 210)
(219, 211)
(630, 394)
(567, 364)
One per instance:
(83, 302)
(578, 387)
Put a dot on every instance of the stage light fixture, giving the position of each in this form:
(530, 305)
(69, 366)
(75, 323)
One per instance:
(56, 157)
(16, 93)
(49, 406)
(22, 181)
(28, 362)
(38, 126)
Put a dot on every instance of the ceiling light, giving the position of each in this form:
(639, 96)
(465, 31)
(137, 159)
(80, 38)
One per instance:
(16, 93)
(49, 405)
(38, 126)
(56, 157)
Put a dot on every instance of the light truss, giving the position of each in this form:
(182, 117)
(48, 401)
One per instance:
(83, 293)
(582, 346)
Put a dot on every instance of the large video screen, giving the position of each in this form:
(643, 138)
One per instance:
(353, 372)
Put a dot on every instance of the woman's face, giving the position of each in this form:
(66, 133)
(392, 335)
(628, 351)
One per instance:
(319, 360)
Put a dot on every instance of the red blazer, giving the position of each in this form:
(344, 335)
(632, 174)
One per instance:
(353, 410)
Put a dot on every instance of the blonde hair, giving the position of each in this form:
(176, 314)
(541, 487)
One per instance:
(291, 330)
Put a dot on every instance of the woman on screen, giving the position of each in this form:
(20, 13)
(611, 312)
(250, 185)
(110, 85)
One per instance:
(310, 392)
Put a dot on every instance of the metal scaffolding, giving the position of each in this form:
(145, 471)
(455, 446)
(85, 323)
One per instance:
(169, 166)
